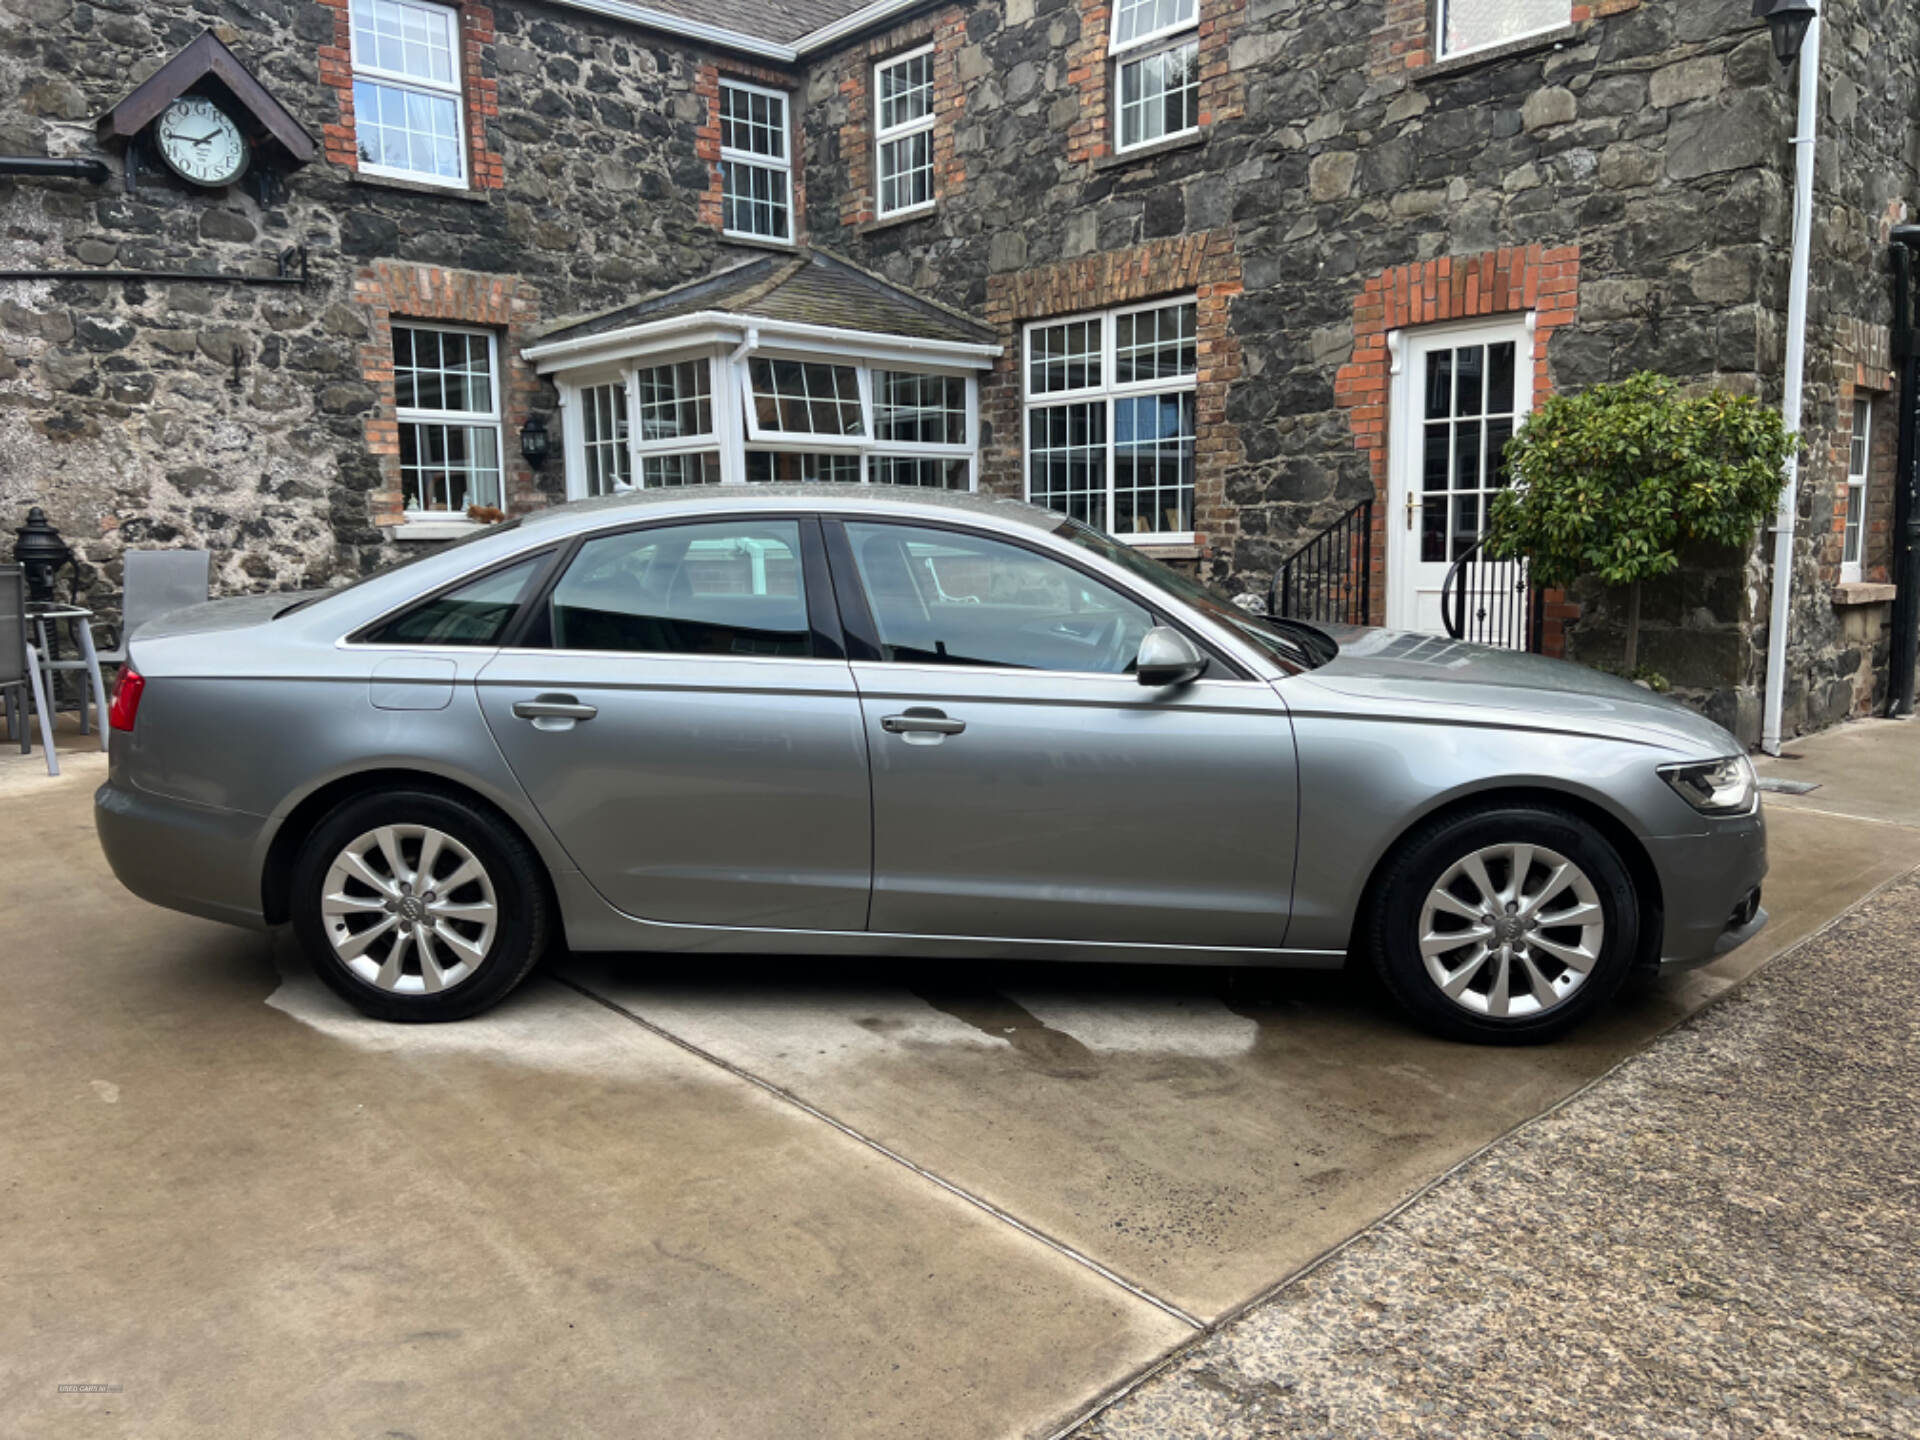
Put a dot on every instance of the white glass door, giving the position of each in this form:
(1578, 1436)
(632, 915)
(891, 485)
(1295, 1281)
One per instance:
(1459, 397)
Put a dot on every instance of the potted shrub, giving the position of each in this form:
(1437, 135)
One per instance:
(1612, 482)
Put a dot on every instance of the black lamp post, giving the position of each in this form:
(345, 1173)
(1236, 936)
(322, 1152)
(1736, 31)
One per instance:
(1788, 20)
(534, 443)
(41, 553)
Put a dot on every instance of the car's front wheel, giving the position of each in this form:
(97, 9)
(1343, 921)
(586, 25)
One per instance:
(417, 905)
(1505, 925)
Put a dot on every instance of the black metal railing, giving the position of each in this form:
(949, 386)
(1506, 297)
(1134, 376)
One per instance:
(1329, 580)
(1490, 602)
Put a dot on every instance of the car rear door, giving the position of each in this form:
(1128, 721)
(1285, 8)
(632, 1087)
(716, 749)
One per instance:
(1025, 785)
(680, 711)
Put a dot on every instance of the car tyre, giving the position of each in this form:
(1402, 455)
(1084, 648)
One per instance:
(444, 881)
(1564, 936)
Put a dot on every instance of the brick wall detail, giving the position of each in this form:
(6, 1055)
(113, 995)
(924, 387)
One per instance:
(1090, 71)
(946, 30)
(391, 291)
(1404, 40)
(706, 89)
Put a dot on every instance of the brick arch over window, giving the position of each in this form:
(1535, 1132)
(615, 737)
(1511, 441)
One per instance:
(423, 295)
(1459, 287)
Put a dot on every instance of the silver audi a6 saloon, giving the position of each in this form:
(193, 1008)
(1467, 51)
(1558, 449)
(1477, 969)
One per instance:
(842, 720)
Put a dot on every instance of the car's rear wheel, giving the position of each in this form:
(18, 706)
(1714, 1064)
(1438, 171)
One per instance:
(417, 905)
(1504, 926)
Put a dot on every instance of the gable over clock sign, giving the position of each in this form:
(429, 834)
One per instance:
(207, 118)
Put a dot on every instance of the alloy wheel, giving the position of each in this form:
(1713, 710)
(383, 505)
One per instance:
(409, 909)
(1511, 931)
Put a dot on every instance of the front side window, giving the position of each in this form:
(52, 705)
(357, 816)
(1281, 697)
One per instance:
(726, 588)
(1111, 418)
(476, 613)
(756, 173)
(676, 440)
(407, 109)
(447, 401)
(1156, 70)
(1859, 455)
(903, 132)
(1476, 24)
(941, 597)
(603, 439)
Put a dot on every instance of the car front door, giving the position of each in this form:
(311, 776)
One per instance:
(679, 712)
(1025, 785)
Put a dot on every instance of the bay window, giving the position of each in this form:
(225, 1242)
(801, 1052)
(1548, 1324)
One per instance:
(1156, 53)
(1110, 418)
(779, 419)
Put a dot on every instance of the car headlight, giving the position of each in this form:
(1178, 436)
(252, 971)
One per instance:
(1715, 787)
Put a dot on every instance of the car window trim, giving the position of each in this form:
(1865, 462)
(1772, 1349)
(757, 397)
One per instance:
(823, 619)
(863, 635)
(358, 635)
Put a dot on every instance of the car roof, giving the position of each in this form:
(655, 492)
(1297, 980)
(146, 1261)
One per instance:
(604, 510)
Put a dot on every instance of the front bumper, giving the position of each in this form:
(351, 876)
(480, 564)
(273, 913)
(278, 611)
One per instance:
(1710, 887)
(186, 857)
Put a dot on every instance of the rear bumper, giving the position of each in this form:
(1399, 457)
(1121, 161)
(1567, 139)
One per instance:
(1710, 885)
(186, 857)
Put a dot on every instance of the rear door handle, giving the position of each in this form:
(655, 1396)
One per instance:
(921, 721)
(553, 707)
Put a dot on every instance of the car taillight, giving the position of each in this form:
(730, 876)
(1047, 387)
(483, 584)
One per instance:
(126, 699)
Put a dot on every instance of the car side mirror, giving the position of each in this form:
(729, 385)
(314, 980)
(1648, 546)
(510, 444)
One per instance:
(1168, 658)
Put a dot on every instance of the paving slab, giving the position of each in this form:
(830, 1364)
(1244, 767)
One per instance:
(256, 1215)
(1202, 1133)
(1866, 768)
(1720, 1239)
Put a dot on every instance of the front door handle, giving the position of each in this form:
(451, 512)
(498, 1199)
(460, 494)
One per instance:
(553, 707)
(921, 721)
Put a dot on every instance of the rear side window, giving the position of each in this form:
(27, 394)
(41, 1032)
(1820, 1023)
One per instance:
(476, 613)
(726, 588)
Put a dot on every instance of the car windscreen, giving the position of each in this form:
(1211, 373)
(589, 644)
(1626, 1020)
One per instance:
(1294, 643)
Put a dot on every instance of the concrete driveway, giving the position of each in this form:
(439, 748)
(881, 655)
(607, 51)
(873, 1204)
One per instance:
(728, 1198)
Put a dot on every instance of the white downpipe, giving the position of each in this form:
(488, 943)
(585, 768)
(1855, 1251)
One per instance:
(1783, 522)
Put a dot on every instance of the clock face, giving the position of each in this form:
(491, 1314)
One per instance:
(201, 142)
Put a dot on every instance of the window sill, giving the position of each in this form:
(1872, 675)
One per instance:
(1863, 592)
(421, 187)
(411, 529)
(899, 217)
(1552, 39)
(758, 242)
(1163, 547)
(1154, 151)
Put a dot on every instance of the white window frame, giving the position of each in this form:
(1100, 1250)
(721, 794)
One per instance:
(1106, 392)
(398, 80)
(1139, 49)
(1860, 439)
(470, 419)
(783, 166)
(729, 381)
(1441, 52)
(884, 136)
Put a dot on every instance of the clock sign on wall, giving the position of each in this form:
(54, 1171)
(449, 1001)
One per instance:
(201, 143)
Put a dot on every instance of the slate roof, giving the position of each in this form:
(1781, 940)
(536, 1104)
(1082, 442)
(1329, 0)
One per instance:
(783, 21)
(807, 287)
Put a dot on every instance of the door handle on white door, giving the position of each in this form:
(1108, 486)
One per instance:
(921, 721)
(548, 708)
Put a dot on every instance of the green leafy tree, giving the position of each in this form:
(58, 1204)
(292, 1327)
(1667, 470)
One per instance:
(1612, 482)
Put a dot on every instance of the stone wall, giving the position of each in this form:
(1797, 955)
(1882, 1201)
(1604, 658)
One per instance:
(248, 420)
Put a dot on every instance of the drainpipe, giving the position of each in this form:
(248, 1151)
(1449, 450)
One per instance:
(1783, 523)
(41, 167)
(1905, 561)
